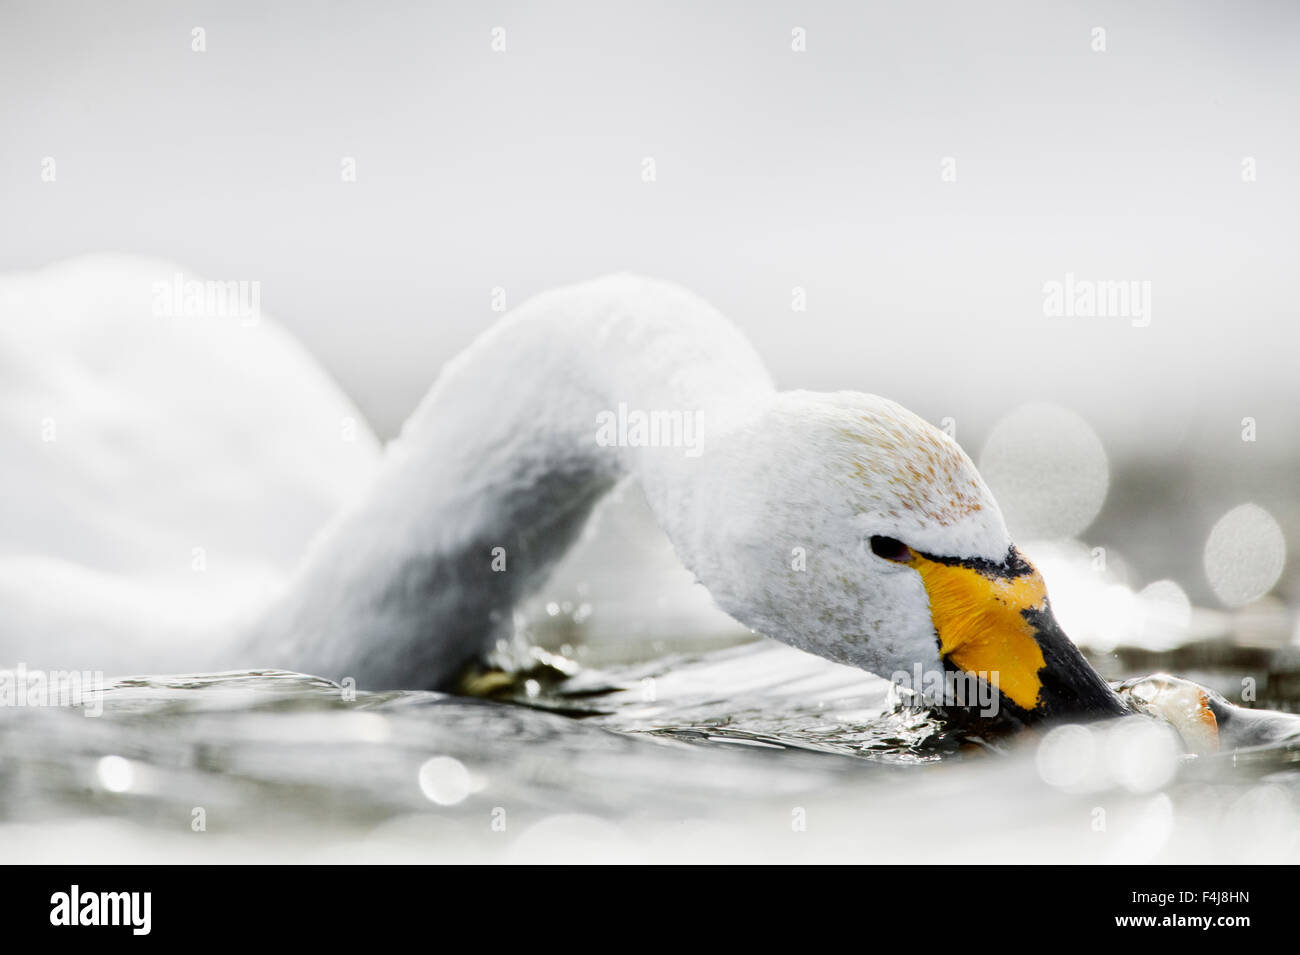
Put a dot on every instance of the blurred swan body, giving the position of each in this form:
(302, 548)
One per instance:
(164, 466)
(193, 492)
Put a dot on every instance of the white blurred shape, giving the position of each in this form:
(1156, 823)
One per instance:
(115, 774)
(445, 780)
(1141, 754)
(1067, 756)
(1048, 470)
(370, 727)
(1166, 615)
(1244, 555)
(574, 838)
(1098, 610)
(1142, 834)
(1263, 825)
(1116, 618)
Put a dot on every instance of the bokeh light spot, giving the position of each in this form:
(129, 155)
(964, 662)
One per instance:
(445, 781)
(115, 774)
(1142, 754)
(1244, 555)
(1066, 756)
(1048, 470)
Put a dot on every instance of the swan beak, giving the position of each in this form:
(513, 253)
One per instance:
(994, 621)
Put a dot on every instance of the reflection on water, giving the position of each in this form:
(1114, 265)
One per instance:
(753, 753)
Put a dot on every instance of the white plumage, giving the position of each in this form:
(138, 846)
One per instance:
(177, 438)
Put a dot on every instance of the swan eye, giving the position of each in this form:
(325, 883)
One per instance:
(890, 549)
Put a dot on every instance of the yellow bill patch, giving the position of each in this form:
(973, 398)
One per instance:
(980, 625)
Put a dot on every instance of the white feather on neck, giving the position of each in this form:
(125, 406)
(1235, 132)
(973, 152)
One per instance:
(401, 590)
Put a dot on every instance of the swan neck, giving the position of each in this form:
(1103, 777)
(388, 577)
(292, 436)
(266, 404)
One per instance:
(496, 473)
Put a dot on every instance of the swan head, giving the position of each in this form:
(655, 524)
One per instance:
(849, 527)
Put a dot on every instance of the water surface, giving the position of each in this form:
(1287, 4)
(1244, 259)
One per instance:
(750, 753)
